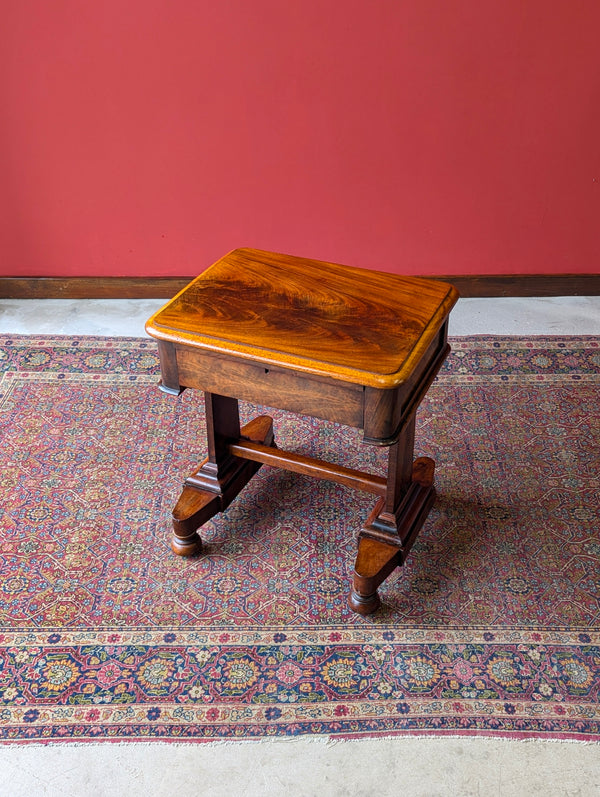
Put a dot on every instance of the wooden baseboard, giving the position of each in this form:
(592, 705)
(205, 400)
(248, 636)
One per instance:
(490, 285)
(91, 287)
(469, 286)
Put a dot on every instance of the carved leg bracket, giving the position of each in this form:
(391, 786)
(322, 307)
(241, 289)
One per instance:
(212, 487)
(235, 454)
(386, 538)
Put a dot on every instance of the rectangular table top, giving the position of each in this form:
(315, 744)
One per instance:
(359, 326)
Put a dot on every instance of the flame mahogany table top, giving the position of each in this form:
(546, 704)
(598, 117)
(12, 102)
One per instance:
(363, 327)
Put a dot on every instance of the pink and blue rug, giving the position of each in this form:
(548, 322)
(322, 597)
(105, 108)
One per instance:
(492, 627)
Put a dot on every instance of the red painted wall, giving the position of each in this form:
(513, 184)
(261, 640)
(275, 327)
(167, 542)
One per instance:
(149, 137)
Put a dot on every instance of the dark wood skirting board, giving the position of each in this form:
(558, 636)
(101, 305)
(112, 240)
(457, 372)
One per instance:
(166, 287)
(91, 287)
(485, 285)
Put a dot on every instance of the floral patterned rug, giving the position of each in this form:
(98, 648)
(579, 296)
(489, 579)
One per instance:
(492, 626)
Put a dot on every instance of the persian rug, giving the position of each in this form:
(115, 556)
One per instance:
(492, 626)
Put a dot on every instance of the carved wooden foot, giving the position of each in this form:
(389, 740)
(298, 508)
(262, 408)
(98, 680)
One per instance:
(386, 538)
(375, 561)
(212, 487)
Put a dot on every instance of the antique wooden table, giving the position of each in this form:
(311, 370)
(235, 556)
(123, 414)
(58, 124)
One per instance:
(340, 343)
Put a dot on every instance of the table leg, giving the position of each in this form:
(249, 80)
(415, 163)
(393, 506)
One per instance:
(393, 525)
(221, 477)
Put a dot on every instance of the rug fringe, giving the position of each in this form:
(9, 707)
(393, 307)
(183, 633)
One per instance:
(327, 741)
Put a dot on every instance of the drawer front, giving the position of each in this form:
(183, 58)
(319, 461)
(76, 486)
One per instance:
(274, 387)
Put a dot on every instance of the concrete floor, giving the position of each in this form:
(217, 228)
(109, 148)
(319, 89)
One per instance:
(573, 315)
(424, 767)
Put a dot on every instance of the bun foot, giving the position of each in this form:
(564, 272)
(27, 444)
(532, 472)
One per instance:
(364, 604)
(186, 546)
(374, 563)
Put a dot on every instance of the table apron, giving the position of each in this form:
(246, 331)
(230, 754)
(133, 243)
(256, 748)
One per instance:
(381, 414)
(305, 394)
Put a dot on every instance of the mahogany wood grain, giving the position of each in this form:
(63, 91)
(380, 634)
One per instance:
(352, 346)
(319, 396)
(362, 327)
